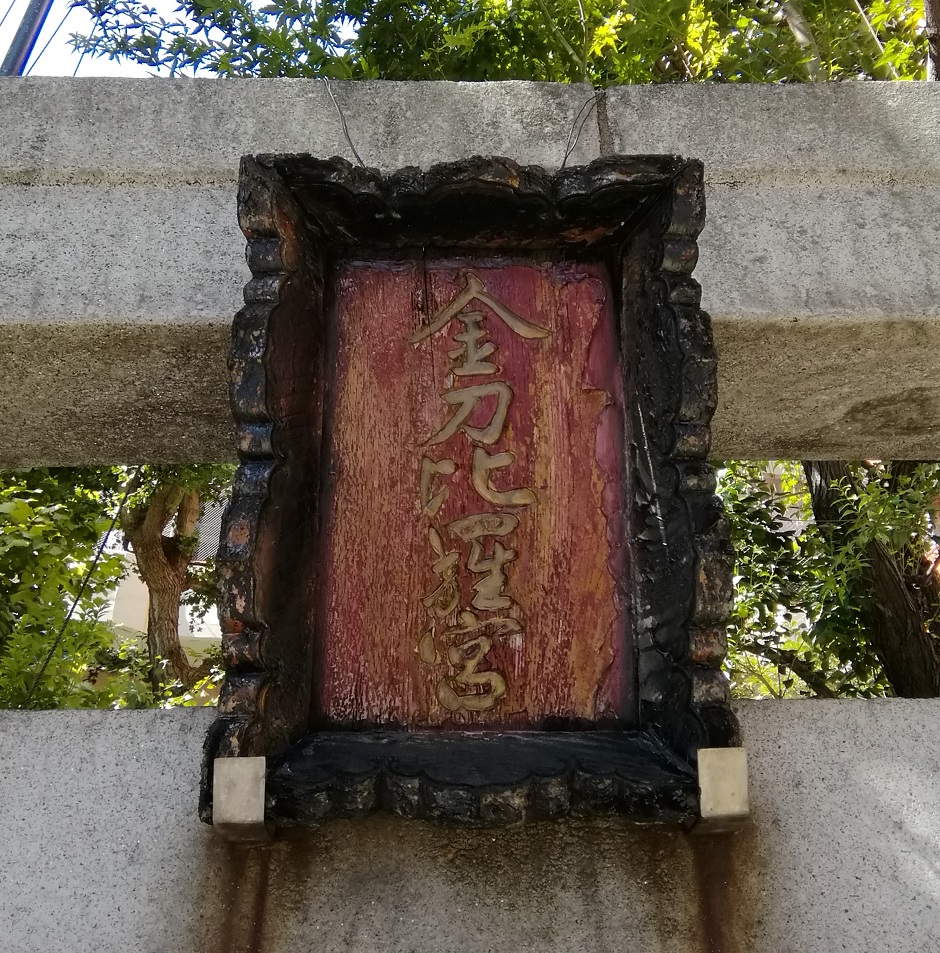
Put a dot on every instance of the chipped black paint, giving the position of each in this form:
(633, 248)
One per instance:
(481, 779)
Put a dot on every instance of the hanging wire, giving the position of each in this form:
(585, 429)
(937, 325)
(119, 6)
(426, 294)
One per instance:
(342, 119)
(94, 29)
(81, 589)
(91, 36)
(579, 121)
(583, 114)
(51, 38)
(9, 11)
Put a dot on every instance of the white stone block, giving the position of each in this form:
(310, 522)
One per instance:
(238, 798)
(722, 780)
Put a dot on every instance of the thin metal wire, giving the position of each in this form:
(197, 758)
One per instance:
(9, 11)
(91, 36)
(81, 589)
(342, 119)
(584, 113)
(51, 38)
(579, 121)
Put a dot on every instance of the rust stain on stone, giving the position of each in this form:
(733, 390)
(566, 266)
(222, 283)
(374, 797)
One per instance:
(383, 880)
(246, 877)
(727, 881)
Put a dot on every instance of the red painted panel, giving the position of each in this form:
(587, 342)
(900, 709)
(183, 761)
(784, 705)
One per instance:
(474, 499)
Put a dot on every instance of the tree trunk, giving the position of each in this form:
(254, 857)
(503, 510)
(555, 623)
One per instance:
(932, 20)
(163, 563)
(163, 634)
(895, 620)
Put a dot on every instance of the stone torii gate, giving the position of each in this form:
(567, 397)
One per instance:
(121, 265)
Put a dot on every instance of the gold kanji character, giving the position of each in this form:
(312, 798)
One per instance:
(483, 463)
(471, 351)
(489, 590)
(476, 290)
(468, 656)
(426, 649)
(469, 624)
(467, 399)
(443, 600)
(483, 524)
(430, 501)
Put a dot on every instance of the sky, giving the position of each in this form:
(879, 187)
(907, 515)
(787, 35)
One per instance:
(58, 58)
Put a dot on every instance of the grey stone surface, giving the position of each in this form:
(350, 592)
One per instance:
(846, 811)
(174, 132)
(120, 255)
(83, 393)
(117, 212)
(821, 132)
(101, 850)
(102, 853)
(825, 301)
(828, 388)
(157, 392)
(831, 250)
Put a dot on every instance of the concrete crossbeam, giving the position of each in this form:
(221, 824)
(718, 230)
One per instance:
(123, 263)
(176, 132)
(103, 853)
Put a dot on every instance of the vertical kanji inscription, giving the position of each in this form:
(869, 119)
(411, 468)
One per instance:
(459, 650)
(473, 539)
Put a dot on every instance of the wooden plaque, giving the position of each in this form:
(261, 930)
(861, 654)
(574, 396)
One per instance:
(474, 568)
(472, 535)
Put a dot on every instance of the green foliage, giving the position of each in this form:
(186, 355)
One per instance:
(797, 627)
(604, 43)
(200, 598)
(51, 522)
(119, 674)
(205, 692)
(212, 481)
(897, 510)
(121, 678)
(786, 612)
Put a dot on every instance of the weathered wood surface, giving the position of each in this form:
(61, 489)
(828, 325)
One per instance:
(318, 547)
(401, 481)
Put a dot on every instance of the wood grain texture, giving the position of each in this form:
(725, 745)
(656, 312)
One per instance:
(562, 660)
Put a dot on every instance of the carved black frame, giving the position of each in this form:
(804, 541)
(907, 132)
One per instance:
(640, 214)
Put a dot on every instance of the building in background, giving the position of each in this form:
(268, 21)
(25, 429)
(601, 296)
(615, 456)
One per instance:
(131, 600)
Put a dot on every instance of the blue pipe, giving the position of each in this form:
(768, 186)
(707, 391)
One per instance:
(25, 39)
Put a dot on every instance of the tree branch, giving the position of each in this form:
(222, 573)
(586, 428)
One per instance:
(932, 32)
(894, 622)
(187, 514)
(803, 34)
(572, 52)
(791, 660)
(874, 36)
